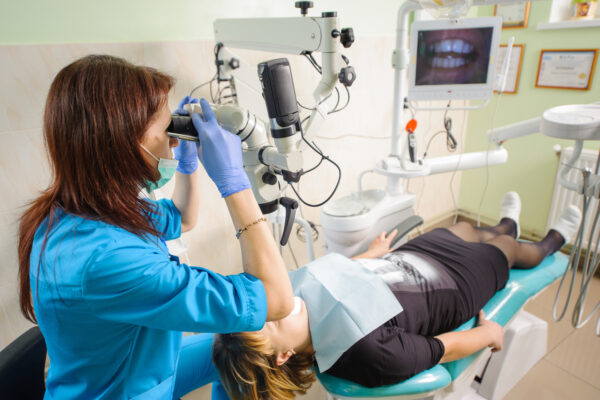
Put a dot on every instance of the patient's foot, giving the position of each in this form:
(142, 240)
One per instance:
(510, 209)
(568, 223)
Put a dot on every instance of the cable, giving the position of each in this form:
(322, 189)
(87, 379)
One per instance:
(487, 164)
(316, 149)
(203, 84)
(289, 246)
(454, 204)
(313, 62)
(347, 101)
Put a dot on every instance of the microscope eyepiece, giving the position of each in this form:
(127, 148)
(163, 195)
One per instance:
(181, 127)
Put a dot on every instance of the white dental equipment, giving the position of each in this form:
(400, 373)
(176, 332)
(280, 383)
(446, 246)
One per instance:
(579, 123)
(352, 222)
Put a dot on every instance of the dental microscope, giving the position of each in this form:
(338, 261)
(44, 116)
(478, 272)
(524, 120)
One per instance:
(272, 167)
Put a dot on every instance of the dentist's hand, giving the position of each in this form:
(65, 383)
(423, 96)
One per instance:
(220, 152)
(186, 100)
(186, 152)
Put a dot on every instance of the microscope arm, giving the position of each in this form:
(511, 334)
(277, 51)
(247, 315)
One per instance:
(296, 35)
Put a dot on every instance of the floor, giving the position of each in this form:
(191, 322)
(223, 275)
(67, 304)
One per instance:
(570, 369)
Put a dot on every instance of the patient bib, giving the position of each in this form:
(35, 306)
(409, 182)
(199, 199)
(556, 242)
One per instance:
(345, 302)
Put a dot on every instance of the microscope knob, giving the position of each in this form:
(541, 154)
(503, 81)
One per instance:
(269, 178)
(347, 76)
(234, 63)
(304, 6)
(347, 37)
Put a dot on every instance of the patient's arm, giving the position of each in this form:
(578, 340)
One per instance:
(380, 246)
(464, 343)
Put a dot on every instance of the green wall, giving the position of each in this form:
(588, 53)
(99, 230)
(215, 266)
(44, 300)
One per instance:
(68, 21)
(532, 163)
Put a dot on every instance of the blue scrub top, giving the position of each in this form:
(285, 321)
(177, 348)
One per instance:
(112, 305)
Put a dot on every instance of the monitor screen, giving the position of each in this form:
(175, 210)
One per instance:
(453, 56)
(453, 59)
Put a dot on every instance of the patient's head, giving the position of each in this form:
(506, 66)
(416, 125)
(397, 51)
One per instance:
(273, 363)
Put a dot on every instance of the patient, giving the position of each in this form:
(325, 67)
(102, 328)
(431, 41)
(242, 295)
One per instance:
(431, 285)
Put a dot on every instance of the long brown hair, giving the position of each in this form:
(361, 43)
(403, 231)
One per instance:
(97, 111)
(248, 369)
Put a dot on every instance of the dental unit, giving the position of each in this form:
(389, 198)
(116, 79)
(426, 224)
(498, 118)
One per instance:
(351, 222)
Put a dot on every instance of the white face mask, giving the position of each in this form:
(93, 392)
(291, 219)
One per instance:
(166, 168)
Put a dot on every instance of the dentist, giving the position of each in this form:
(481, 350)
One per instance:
(94, 271)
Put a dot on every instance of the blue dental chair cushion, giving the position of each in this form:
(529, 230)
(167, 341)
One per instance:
(521, 286)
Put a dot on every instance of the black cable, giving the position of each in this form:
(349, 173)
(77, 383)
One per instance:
(337, 102)
(347, 101)
(293, 255)
(306, 108)
(315, 167)
(314, 62)
(316, 149)
(220, 93)
(450, 140)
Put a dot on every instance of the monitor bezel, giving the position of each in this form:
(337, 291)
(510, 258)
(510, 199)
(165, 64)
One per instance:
(470, 91)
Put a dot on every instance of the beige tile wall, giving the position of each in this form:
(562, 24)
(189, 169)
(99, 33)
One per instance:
(27, 72)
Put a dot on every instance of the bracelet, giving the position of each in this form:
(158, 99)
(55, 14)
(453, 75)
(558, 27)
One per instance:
(241, 230)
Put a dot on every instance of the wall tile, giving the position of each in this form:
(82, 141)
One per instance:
(24, 168)
(29, 70)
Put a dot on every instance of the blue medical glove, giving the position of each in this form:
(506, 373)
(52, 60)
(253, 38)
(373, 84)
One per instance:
(220, 152)
(186, 152)
(183, 102)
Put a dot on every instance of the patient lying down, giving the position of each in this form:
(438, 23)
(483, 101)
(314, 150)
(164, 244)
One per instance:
(386, 315)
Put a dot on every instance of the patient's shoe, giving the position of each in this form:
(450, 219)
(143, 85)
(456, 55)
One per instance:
(510, 207)
(568, 222)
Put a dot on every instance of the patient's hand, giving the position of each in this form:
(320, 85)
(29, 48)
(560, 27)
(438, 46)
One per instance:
(496, 334)
(380, 246)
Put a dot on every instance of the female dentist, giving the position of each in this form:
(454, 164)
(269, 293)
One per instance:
(94, 270)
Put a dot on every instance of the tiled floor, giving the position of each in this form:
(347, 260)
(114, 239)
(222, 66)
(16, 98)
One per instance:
(571, 368)
(569, 371)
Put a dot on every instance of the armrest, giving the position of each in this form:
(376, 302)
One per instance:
(405, 227)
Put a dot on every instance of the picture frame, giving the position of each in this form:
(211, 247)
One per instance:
(514, 68)
(571, 69)
(514, 15)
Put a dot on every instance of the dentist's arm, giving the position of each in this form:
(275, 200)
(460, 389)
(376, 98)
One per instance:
(186, 196)
(260, 254)
(221, 154)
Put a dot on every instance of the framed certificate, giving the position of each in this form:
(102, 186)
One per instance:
(566, 69)
(513, 15)
(514, 67)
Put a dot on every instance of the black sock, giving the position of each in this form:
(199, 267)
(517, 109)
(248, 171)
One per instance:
(551, 243)
(510, 227)
(506, 226)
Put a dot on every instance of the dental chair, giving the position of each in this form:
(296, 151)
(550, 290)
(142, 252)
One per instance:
(482, 375)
